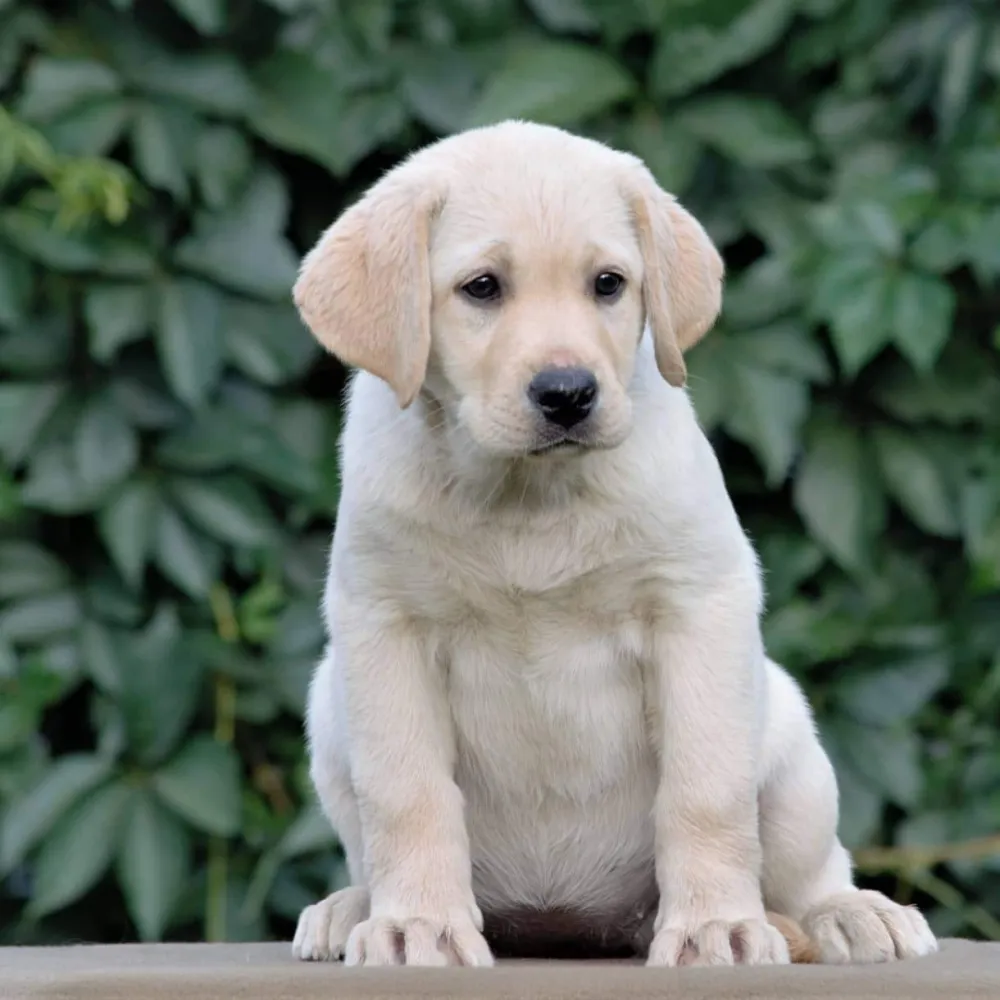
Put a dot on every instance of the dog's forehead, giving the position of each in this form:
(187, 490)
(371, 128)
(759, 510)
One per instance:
(521, 204)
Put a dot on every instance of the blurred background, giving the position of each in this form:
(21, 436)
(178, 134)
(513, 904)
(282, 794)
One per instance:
(168, 428)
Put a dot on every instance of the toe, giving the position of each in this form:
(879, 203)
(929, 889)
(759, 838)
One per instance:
(758, 943)
(712, 944)
(667, 948)
(868, 936)
(420, 945)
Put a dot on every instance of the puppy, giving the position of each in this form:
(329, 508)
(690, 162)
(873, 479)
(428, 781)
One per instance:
(544, 716)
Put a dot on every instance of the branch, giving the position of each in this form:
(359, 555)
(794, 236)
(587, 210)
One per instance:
(880, 859)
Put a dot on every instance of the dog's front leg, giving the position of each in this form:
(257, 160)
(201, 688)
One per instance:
(402, 753)
(704, 677)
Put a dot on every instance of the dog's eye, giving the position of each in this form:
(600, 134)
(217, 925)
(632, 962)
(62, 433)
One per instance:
(482, 289)
(608, 284)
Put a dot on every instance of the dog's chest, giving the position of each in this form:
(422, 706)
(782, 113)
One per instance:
(542, 646)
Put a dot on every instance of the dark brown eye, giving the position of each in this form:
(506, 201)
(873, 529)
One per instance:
(608, 284)
(482, 289)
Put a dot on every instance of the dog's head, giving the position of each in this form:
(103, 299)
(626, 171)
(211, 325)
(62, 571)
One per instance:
(510, 272)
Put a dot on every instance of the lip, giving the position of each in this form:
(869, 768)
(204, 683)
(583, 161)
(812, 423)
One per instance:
(555, 446)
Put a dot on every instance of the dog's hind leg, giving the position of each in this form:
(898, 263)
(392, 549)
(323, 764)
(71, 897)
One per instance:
(807, 872)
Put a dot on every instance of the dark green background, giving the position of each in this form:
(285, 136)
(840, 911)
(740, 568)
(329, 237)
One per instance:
(168, 428)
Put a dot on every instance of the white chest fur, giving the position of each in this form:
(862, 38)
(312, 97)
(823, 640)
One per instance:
(542, 646)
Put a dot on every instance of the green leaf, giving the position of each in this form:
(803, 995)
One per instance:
(208, 16)
(226, 507)
(243, 247)
(26, 570)
(210, 81)
(888, 759)
(299, 106)
(963, 55)
(160, 139)
(79, 850)
(91, 129)
(855, 293)
(786, 346)
(53, 483)
(984, 247)
(189, 338)
(671, 153)
(37, 236)
(202, 784)
(859, 230)
(917, 482)
(894, 693)
(922, 312)
(439, 85)
(691, 55)
(159, 692)
(940, 246)
(308, 833)
(105, 446)
(153, 865)
(53, 86)
(768, 411)
(222, 162)
(564, 15)
(303, 108)
(27, 819)
(38, 351)
(860, 811)
(788, 559)
(559, 83)
(116, 314)
(225, 438)
(268, 343)
(837, 495)
(183, 555)
(105, 655)
(40, 618)
(25, 407)
(126, 525)
(749, 130)
(978, 171)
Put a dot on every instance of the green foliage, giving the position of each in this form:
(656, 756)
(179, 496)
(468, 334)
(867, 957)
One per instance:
(168, 429)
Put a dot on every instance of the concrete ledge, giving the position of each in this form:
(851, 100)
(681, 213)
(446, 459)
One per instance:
(962, 970)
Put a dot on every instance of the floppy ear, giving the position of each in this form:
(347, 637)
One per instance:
(364, 290)
(682, 287)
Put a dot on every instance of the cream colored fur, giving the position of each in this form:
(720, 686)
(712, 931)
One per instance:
(545, 685)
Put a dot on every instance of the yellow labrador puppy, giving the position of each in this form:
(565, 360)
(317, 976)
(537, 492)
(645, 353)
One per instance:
(545, 717)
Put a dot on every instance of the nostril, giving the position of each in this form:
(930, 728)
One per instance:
(565, 396)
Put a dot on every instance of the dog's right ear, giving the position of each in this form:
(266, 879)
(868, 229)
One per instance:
(364, 290)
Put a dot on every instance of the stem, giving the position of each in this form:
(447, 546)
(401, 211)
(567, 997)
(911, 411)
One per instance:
(225, 730)
(904, 859)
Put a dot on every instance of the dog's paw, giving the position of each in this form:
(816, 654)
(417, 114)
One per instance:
(865, 926)
(417, 941)
(719, 942)
(324, 927)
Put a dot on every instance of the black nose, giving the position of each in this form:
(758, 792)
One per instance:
(565, 396)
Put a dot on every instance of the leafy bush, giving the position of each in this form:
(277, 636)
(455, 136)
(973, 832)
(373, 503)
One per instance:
(167, 428)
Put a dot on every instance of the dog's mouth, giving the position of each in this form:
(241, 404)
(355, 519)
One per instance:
(562, 446)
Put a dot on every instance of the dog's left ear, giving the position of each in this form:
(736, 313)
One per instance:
(682, 287)
(364, 290)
